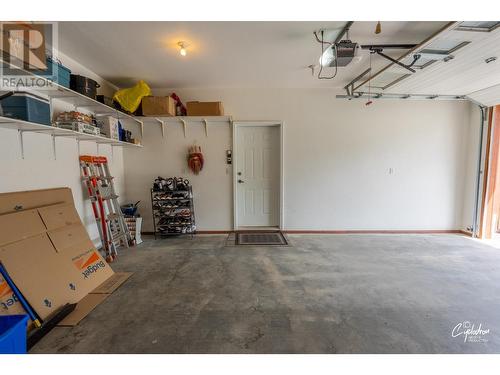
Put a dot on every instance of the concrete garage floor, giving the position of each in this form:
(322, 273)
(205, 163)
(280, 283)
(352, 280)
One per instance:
(323, 294)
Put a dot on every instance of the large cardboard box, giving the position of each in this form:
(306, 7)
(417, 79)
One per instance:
(18, 226)
(25, 200)
(9, 304)
(158, 106)
(92, 300)
(55, 267)
(47, 253)
(59, 215)
(205, 109)
(42, 276)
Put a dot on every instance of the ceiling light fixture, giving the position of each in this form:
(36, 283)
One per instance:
(182, 50)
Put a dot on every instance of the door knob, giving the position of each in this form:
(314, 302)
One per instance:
(240, 181)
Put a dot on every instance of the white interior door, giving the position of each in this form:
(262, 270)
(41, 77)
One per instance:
(257, 175)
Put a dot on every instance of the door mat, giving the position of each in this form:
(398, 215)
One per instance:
(261, 238)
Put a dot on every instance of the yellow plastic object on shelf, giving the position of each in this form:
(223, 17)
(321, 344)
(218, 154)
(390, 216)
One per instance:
(130, 98)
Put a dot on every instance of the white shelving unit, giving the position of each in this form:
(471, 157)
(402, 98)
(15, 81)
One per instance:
(163, 121)
(79, 102)
(33, 127)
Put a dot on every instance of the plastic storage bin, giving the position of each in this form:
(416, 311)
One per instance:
(55, 72)
(26, 106)
(13, 334)
(60, 73)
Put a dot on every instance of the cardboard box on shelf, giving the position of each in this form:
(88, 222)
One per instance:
(205, 109)
(109, 127)
(158, 106)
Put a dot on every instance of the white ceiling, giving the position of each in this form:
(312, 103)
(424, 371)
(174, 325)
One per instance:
(223, 54)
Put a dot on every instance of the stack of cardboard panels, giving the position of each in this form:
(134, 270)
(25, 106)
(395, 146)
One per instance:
(48, 253)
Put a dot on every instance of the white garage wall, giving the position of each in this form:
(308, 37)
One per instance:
(39, 170)
(337, 160)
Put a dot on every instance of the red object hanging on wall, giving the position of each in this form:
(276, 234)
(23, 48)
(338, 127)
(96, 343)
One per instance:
(195, 159)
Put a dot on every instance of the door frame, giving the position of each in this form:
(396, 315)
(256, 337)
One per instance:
(490, 198)
(236, 126)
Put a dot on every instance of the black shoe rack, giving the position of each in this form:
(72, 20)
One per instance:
(173, 207)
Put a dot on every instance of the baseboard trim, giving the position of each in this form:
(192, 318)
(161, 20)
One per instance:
(354, 231)
(214, 231)
(416, 231)
(466, 233)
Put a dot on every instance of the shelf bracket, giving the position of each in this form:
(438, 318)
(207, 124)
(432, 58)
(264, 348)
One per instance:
(141, 125)
(54, 146)
(162, 124)
(20, 133)
(51, 109)
(206, 126)
(184, 125)
(21, 142)
(97, 147)
(78, 146)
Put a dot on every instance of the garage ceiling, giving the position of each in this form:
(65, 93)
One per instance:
(223, 54)
(473, 69)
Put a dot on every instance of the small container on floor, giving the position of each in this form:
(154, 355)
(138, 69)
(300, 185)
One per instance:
(13, 334)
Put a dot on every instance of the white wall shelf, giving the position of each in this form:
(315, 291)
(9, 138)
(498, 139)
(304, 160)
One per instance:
(33, 127)
(79, 101)
(163, 121)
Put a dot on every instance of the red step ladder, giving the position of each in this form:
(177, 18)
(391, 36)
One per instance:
(107, 213)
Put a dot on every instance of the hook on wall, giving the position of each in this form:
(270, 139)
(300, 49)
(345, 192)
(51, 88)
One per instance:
(184, 125)
(206, 126)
